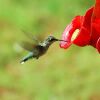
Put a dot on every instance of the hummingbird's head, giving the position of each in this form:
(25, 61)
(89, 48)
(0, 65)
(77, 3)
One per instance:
(49, 40)
(52, 39)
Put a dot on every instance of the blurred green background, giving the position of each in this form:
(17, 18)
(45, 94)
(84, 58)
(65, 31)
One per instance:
(72, 74)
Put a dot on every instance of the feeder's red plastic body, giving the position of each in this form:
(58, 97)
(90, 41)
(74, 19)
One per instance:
(89, 29)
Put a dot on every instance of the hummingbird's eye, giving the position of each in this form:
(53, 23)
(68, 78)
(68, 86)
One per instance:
(52, 39)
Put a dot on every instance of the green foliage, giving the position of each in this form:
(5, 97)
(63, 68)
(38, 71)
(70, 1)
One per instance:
(72, 74)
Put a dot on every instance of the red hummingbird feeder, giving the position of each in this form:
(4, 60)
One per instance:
(84, 30)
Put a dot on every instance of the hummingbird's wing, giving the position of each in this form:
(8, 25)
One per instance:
(28, 46)
(37, 38)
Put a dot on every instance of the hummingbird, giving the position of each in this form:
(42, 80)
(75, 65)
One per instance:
(38, 49)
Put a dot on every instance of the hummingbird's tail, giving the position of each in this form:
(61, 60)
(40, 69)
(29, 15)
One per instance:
(26, 58)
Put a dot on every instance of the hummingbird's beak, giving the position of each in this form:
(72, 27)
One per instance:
(60, 40)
